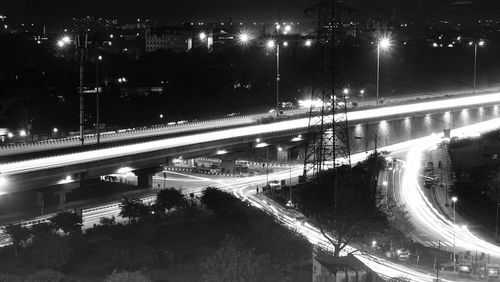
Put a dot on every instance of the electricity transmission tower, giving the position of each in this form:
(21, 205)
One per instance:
(328, 136)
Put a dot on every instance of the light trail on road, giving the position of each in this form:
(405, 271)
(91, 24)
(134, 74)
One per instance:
(423, 214)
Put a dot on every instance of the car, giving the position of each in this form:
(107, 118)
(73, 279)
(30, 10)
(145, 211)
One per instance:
(275, 184)
(403, 254)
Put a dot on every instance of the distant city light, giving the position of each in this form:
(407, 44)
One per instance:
(308, 43)
(481, 43)
(288, 28)
(111, 36)
(55, 130)
(346, 91)
(10, 135)
(362, 91)
(285, 44)
(22, 133)
(60, 43)
(99, 58)
(161, 115)
(203, 35)
(435, 45)
(66, 39)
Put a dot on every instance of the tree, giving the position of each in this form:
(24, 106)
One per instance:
(233, 263)
(223, 204)
(40, 228)
(127, 276)
(18, 234)
(133, 209)
(169, 198)
(50, 250)
(67, 221)
(349, 213)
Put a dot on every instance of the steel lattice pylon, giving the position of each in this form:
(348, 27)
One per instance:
(328, 133)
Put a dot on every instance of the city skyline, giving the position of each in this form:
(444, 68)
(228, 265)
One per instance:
(164, 13)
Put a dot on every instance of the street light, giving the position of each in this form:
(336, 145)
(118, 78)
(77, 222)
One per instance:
(270, 44)
(243, 38)
(480, 43)
(203, 35)
(308, 43)
(384, 43)
(454, 200)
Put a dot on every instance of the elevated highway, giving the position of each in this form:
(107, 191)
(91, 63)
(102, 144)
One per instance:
(383, 125)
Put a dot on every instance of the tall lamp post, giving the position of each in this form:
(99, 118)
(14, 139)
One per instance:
(98, 122)
(454, 201)
(480, 43)
(270, 45)
(384, 43)
(81, 46)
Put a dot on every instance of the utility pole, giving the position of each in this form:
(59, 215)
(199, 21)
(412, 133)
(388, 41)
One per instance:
(98, 122)
(81, 49)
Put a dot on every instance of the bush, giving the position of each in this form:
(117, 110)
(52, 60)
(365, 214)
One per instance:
(46, 275)
(4, 277)
(231, 262)
(124, 255)
(126, 276)
(50, 250)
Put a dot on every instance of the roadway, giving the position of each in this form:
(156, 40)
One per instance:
(430, 222)
(244, 188)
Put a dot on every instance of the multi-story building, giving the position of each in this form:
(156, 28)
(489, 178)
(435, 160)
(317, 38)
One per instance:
(176, 39)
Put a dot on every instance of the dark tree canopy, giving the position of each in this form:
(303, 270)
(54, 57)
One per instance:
(67, 221)
(169, 198)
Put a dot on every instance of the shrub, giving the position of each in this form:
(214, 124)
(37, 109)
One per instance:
(46, 275)
(127, 276)
(50, 250)
(124, 255)
(4, 277)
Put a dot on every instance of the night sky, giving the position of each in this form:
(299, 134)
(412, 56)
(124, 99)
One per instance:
(175, 11)
(163, 11)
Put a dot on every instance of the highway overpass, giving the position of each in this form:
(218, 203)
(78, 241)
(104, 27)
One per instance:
(370, 127)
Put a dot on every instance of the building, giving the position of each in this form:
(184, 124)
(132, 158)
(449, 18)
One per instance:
(168, 38)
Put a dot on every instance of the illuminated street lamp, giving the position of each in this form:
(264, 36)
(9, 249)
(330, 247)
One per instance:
(203, 36)
(243, 38)
(454, 200)
(270, 44)
(308, 43)
(480, 44)
(384, 43)
(55, 130)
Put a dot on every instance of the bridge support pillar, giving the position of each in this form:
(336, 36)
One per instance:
(229, 165)
(283, 153)
(145, 176)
